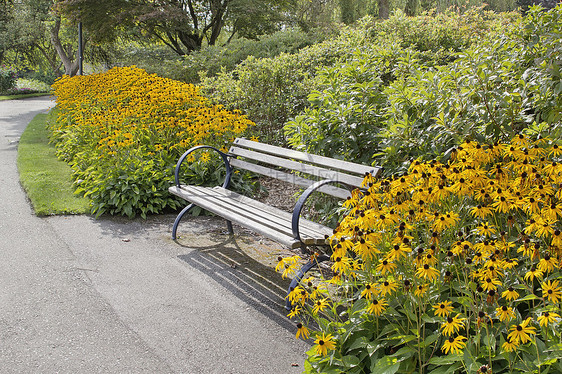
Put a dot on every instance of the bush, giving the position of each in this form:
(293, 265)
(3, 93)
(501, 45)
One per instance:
(496, 88)
(122, 132)
(271, 90)
(211, 60)
(8, 77)
(448, 268)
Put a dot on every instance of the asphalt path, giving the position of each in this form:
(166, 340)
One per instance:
(110, 295)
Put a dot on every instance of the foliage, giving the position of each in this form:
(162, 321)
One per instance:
(211, 60)
(447, 268)
(183, 26)
(271, 90)
(497, 87)
(8, 77)
(122, 132)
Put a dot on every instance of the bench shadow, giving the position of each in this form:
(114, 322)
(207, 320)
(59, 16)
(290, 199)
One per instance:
(254, 283)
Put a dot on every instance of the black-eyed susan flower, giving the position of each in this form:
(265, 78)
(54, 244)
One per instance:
(454, 345)
(551, 291)
(377, 306)
(295, 311)
(324, 343)
(443, 309)
(486, 229)
(427, 272)
(319, 306)
(547, 318)
(522, 332)
(302, 331)
(548, 263)
(341, 265)
(510, 345)
(387, 287)
(489, 283)
(369, 291)
(505, 313)
(385, 266)
(532, 274)
(420, 290)
(452, 325)
(510, 294)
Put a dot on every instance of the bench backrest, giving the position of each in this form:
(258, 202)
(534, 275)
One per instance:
(260, 158)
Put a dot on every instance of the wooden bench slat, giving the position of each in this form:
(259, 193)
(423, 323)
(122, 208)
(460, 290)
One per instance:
(307, 227)
(307, 157)
(298, 166)
(267, 215)
(290, 178)
(268, 221)
(206, 202)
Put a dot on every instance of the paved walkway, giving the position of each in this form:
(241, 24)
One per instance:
(79, 295)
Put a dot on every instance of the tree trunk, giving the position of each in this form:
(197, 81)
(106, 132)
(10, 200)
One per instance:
(384, 9)
(70, 66)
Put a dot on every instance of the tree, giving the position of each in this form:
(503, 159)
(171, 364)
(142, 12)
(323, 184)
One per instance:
(182, 25)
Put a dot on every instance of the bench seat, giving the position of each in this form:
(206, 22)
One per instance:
(266, 220)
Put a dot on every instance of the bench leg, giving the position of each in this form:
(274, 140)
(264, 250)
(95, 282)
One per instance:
(300, 274)
(178, 219)
(229, 226)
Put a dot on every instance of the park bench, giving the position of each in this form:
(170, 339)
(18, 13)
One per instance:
(311, 172)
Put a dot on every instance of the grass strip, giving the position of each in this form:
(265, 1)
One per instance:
(46, 179)
(22, 96)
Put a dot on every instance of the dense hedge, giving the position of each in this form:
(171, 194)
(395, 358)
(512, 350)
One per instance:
(122, 132)
(272, 90)
(496, 88)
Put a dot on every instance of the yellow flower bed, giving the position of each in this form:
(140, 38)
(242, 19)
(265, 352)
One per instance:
(448, 268)
(123, 130)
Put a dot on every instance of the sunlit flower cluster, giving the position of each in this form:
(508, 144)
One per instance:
(126, 108)
(471, 249)
(106, 119)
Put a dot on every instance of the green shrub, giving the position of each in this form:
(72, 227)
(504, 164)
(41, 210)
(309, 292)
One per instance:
(122, 132)
(502, 85)
(8, 78)
(271, 90)
(211, 60)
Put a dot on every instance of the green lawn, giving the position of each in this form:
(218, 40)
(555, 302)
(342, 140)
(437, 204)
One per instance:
(46, 179)
(21, 96)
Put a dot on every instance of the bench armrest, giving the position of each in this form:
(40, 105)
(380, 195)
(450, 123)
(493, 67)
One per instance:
(302, 200)
(191, 150)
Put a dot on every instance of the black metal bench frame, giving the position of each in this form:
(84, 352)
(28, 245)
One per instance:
(286, 165)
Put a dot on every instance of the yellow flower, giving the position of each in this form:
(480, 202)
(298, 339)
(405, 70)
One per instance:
(510, 345)
(510, 294)
(485, 229)
(302, 331)
(443, 309)
(548, 318)
(426, 271)
(490, 283)
(319, 306)
(551, 291)
(387, 287)
(505, 313)
(324, 343)
(454, 345)
(385, 266)
(369, 292)
(521, 333)
(420, 290)
(452, 325)
(377, 306)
